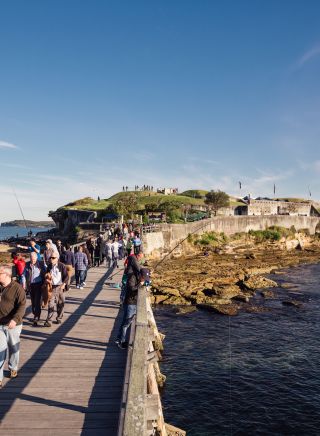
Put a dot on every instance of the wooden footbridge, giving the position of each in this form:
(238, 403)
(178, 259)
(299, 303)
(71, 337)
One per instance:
(74, 380)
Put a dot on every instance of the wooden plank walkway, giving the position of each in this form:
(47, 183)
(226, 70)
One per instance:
(71, 375)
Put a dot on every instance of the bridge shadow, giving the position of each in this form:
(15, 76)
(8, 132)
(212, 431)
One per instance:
(107, 369)
(13, 390)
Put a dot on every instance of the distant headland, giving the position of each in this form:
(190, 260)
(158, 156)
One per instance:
(28, 223)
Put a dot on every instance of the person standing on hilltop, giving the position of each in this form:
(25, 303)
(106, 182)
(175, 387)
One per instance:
(33, 247)
(12, 310)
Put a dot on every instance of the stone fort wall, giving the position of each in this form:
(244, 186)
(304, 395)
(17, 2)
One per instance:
(169, 235)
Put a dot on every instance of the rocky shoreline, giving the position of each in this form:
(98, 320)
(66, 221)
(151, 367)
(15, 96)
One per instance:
(227, 279)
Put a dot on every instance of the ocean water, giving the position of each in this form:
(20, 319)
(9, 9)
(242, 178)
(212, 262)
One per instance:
(252, 374)
(8, 232)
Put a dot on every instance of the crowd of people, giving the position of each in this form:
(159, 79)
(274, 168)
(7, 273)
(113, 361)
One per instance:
(47, 275)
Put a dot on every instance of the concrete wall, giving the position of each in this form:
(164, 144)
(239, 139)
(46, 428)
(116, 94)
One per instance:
(158, 243)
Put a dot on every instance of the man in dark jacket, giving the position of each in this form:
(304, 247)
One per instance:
(59, 279)
(34, 274)
(12, 309)
(134, 280)
(67, 257)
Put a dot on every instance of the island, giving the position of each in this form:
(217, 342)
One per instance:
(28, 223)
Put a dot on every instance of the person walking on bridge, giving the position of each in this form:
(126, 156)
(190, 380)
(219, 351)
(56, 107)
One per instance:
(34, 273)
(81, 265)
(67, 258)
(115, 253)
(108, 253)
(134, 280)
(12, 310)
(60, 279)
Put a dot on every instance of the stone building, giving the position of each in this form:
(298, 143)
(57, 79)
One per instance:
(274, 207)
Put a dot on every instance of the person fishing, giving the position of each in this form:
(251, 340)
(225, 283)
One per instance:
(32, 247)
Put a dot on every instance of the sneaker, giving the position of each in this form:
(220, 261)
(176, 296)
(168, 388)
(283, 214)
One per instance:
(47, 324)
(81, 287)
(123, 345)
(84, 284)
(13, 373)
(35, 323)
(58, 321)
(78, 287)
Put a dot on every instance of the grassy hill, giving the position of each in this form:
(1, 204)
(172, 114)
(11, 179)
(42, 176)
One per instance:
(144, 198)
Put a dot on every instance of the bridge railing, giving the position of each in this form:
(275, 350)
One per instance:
(141, 413)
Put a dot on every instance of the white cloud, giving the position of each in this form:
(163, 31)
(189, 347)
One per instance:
(308, 56)
(4, 144)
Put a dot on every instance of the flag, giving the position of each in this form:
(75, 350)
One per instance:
(309, 191)
(240, 185)
(274, 189)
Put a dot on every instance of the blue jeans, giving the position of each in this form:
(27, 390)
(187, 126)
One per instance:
(80, 275)
(129, 312)
(9, 345)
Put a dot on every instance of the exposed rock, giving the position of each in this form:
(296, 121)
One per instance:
(258, 282)
(170, 291)
(229, 291)
(179, 301)
(242, 298)
(268, 294)
(160, 298)
(253, 308)
(229, 309)
(286, 285)
(186, 309)
(294, 303)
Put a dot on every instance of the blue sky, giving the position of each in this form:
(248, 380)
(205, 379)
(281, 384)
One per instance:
(99, 94)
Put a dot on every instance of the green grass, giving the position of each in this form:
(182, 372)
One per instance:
(273, 233)
(212, 239)
(293, 200)
(195, 193)
(89, 203)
